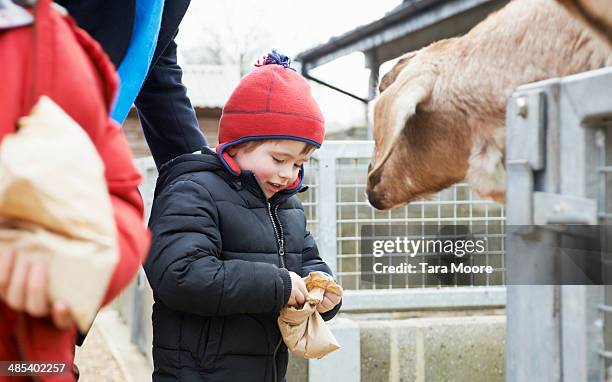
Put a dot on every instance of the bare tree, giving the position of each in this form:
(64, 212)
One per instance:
(225, 41)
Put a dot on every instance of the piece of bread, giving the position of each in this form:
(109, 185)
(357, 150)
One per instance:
(323, 281)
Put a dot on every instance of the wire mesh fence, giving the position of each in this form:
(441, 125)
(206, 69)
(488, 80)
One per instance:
(350, 211)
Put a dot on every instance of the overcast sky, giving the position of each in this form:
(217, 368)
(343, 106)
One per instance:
(290, 27)
(293, 25)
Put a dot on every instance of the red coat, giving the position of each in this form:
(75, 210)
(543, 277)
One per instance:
(55, 58)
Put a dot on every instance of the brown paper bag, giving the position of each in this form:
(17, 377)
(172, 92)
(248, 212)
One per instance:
(304, 330)
(55, 207)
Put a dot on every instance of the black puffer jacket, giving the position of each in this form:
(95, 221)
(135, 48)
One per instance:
(217, 272)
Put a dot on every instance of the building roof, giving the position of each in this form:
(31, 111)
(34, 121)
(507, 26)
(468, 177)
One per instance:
(209, 86)
(409, 26)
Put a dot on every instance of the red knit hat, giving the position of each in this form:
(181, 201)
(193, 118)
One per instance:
(271, 102)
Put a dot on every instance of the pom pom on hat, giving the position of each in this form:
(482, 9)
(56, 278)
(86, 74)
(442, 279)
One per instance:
(275, 58)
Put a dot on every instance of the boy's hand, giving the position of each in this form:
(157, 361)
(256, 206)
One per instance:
(299, 293)
(329, 301)
(24, 287)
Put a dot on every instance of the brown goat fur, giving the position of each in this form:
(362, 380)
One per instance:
(439, 118)
(596, 14)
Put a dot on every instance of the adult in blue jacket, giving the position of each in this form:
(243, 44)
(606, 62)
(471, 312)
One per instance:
(138, 36)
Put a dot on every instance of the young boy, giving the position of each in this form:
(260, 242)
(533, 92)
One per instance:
(230, 243)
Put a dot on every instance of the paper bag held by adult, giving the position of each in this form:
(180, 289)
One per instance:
(55, 207)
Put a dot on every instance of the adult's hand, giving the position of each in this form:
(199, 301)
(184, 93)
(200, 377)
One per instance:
(24, 287)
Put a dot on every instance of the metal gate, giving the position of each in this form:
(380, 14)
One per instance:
(559, 162)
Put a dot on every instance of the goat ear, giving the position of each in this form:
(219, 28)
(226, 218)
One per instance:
(395, 107)
(392, 74)
(407, 95)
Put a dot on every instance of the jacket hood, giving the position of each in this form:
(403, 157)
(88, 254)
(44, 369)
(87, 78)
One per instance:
(206, 160)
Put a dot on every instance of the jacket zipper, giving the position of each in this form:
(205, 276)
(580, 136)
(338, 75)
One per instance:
(280, 241)
(278, 233)
(274, 359)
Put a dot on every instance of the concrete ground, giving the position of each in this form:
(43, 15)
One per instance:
(438, 347)
(107, 354)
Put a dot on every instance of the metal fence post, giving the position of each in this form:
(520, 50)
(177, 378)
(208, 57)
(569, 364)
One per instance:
(326, 207)
(533, 315)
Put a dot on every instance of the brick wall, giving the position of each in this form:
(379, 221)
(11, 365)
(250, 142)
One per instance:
(207, 118)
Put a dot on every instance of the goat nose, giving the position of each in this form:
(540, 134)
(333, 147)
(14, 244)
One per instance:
(375, 177)
(373, 201)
